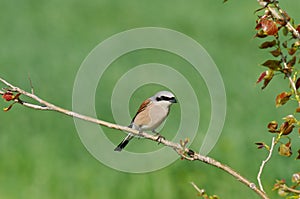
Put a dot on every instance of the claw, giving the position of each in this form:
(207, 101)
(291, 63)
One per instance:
(160, 138)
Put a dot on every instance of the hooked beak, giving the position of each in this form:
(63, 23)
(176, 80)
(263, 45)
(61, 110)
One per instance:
(173, 100)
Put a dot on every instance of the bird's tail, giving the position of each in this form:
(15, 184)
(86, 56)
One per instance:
(124, 142)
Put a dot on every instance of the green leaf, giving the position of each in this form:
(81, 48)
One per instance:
(284, 44)
(282, 98)
(292, 62)
(292, 50)
(272, 126)
(285, 31)
(285, 149)
(261, 34)
(297, 83)
(269, 76)
(268, 44)
(298, 157)
(276, 52)
(273, 65)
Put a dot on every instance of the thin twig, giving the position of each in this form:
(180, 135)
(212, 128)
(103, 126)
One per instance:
(200, 191)
(31, 85)
(261, 168)
(288, 75)
(183, 151)
(296, 191)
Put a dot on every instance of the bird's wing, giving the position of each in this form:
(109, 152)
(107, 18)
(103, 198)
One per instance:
(143, 106)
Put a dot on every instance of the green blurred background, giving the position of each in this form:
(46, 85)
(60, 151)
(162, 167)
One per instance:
(41, 155)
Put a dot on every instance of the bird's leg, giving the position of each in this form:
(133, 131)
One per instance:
(159, 137)
(138, 136)
(155, 132)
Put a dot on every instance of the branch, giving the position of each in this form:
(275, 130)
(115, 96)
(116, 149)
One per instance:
(264, 163)
(286, 188)
(288, 75)
(280, 16)
(181, 149)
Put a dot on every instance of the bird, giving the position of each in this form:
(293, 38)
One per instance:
(150, 115)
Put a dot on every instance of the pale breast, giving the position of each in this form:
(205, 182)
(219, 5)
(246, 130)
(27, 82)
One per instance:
(158, 114)
(151, 117)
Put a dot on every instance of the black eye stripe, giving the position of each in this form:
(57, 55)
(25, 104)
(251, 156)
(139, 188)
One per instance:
(165, 98)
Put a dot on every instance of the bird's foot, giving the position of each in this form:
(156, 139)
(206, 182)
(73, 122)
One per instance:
(159, 138)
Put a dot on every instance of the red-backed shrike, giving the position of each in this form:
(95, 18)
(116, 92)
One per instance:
(152, 112)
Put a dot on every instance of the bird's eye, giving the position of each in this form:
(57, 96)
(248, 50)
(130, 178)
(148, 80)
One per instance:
(158, 99)
(166, 98)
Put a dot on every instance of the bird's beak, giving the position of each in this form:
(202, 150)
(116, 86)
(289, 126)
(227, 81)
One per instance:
(173, 100)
